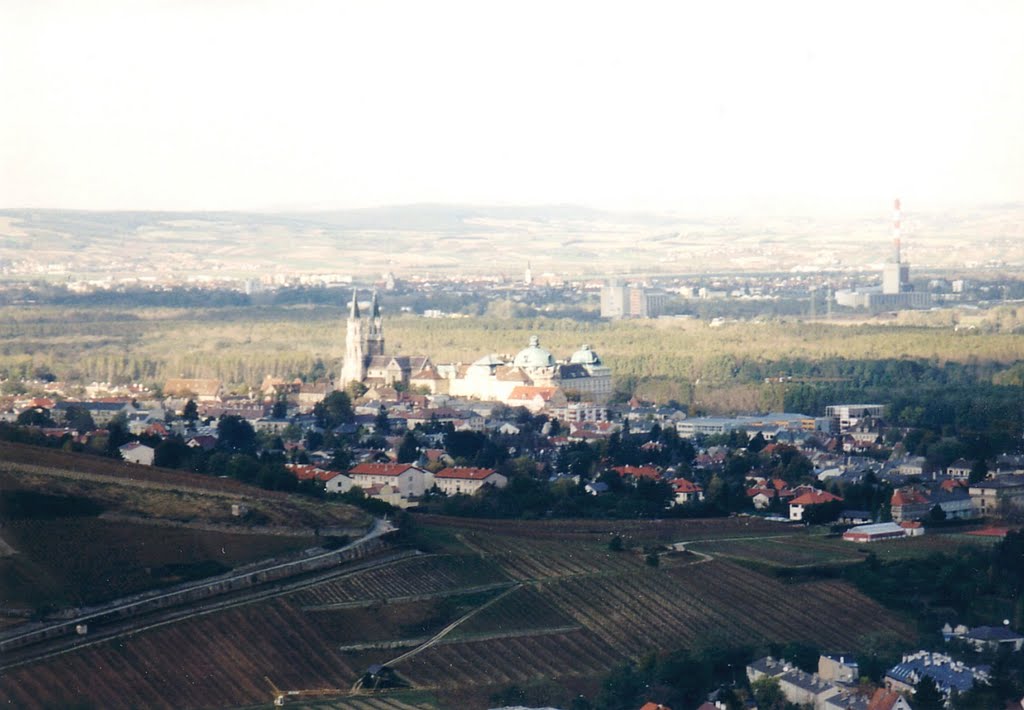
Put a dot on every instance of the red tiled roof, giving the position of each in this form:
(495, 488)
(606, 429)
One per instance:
(637, 471)
(307, 472)
(528, 392)
(814, 498)
(380, 469)
(465, 472)
(681, 485)
(757, 490)
(908, 496)
(883, 699)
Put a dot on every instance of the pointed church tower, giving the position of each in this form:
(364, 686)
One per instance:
(375, 336)
(354, 368)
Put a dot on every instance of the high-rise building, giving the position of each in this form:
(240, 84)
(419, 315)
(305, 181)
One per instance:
(631, 301)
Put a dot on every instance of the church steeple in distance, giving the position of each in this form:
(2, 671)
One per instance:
(375, 334)
(354, 367)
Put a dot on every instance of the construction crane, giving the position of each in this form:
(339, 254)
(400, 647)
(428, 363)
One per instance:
(281, 695)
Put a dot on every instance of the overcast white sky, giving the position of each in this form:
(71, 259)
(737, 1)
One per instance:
(676, 106)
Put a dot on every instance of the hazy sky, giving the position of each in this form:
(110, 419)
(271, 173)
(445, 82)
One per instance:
(230, 104)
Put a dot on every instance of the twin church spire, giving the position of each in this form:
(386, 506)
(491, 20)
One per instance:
(364, 339)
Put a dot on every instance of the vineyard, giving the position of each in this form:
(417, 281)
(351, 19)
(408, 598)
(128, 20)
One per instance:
(789, 551)
(78, 561)
(418, 576)
(520, 602)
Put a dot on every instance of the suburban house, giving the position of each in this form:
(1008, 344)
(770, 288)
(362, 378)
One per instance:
(885, 699)
(308, 472)
(686, 491)
(338, 483)
(134, 452)
(466, 480)
(959, 470)
(761, 496)
(798, 506)
(408, 480)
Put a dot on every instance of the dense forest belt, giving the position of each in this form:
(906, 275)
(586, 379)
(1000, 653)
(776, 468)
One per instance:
(240, 345)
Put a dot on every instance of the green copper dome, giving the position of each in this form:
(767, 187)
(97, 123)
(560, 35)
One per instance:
(533, 356)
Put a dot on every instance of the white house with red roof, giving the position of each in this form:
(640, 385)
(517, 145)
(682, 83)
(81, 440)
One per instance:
(407, 480)
(467, 480)
(338, 483)
(686, 491)
(333, 481)
(799, 505)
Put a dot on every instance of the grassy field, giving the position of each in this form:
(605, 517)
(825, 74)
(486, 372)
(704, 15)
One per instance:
(543, 603)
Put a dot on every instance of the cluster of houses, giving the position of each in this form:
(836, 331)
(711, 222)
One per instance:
(401, 485)
(279, 404)
(836, 684)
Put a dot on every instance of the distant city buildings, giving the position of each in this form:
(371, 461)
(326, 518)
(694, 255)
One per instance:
(619, 301)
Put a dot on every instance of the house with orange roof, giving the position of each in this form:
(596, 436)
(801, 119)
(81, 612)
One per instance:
(536, 399)
(761, 496)
(799, 506)
(686, 491)
(467, 480)
(885, 699)
(410, 481)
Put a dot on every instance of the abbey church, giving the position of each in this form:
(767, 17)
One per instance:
(493, 377)
(365, 360)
